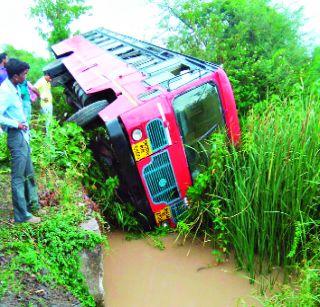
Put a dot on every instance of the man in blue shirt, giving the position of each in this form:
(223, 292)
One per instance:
(14, 122)
(3, 62)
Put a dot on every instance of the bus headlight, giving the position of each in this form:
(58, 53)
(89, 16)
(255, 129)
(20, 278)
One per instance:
(137, 134)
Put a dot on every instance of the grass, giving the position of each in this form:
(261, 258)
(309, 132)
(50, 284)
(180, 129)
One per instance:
(273, 185)
(305, 288)
(262, 198)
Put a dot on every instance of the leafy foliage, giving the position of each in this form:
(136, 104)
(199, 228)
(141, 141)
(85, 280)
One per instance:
(305, 289)
(313, 73)
(57, 17)
(104, 192)
(4, 151)
(206, 216)
(258, 45)
(62, 110)
(64, 150)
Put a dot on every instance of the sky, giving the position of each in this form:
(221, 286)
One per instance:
(137, 18)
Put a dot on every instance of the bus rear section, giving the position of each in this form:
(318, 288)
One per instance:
(161, 108)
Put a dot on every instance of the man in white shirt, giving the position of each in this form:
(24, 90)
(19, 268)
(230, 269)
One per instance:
(14, 122)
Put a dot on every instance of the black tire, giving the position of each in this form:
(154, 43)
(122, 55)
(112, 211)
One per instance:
(55, 68)
(87, 114)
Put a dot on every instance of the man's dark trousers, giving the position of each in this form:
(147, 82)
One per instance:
(24, 190)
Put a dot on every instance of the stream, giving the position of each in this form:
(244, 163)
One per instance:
(137, 274)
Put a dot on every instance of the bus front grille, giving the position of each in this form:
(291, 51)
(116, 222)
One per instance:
(160, 179)
(157, 135)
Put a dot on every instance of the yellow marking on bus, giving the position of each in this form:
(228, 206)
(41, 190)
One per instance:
(162, 215)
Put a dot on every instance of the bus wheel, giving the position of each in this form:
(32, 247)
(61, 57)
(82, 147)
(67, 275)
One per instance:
(87, 114)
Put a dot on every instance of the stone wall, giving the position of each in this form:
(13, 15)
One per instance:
(92, 265)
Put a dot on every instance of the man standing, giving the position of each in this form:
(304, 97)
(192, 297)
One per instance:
(13, 120)
(3, 62)
(43, 85)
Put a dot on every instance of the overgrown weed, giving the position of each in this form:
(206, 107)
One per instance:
(103, 190)
(261, 199)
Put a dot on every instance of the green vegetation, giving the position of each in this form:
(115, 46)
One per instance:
(268, 189)
(257, 44)
(104, 192)
(312, 76)
(50, 251)
(259, 201)
(57, 16)
(65, 151)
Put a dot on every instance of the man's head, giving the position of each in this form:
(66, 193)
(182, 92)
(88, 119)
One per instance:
(48, 77)
(17, 70)
(3, 58)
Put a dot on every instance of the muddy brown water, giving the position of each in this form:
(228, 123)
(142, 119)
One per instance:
(136, 274)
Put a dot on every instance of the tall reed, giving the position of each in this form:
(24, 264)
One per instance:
(269, 188)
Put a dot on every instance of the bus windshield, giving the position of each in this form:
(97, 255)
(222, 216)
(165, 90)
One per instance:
(199, 114)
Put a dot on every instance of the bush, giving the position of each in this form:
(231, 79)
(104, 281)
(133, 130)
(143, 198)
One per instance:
(104, 191)
(305, 288)
(64, 149)
(49, 251)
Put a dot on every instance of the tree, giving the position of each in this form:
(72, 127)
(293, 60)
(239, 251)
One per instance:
(258, 45)
(313, 73)
(56, 16)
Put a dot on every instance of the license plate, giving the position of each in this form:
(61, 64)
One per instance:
(141, 149)
(162, 215)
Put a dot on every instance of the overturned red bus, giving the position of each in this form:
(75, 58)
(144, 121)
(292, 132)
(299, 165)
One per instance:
(158, 108)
